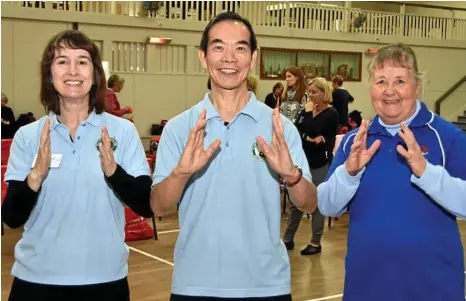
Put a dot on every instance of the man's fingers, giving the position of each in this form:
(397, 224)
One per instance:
(192, 137)
(275, 143)
(279, 121)
(200, 127)
(203, 115)
(278, 129)
(212, 148)
(263, 146)
(194, 134)
(199, 140)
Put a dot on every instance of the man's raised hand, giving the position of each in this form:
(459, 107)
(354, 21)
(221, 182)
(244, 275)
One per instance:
(195, 156)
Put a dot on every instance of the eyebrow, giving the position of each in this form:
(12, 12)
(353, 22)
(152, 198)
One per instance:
(240, 42)
(65, 57)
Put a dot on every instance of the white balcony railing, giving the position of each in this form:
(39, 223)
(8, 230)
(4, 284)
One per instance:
(298, 15)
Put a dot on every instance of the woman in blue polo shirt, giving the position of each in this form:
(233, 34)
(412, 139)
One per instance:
(403, 178)
(70, 174)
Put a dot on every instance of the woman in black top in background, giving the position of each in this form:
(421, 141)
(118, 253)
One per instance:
(317, 124)
(273, 99)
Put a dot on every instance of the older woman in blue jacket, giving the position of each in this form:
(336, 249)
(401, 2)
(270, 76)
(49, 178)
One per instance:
(402, 176)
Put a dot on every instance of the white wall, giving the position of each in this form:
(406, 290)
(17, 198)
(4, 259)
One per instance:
(159, 95)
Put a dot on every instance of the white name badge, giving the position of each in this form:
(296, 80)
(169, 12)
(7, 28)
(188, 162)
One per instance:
(54, 163)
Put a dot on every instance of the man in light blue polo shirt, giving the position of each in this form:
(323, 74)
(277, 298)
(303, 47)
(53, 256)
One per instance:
(222, 160)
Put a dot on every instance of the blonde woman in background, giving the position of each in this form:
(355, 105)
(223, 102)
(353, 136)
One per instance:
(296, 94)
(317, 124)
(252, 84)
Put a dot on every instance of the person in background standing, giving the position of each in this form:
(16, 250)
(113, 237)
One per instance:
(317, 124)
(8, 120)
(296, 94)
(341, 99)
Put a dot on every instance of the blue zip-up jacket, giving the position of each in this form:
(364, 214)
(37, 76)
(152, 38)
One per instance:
(403, 239)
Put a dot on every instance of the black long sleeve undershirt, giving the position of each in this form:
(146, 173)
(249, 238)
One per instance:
(19, 201)
(134, 192)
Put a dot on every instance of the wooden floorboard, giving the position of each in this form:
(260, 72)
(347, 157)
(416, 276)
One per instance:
(315, 278)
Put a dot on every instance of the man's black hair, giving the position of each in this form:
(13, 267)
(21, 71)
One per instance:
(228, 16)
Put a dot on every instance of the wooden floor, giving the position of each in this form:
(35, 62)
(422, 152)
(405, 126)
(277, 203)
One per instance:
(318, 277)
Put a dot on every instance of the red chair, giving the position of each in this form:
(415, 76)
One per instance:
(155, 138)
(150, 161)
(6, 145)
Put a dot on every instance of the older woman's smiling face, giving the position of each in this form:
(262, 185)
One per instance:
(394, 92)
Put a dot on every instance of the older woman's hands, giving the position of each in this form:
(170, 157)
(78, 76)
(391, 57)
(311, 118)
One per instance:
(413, 155)
(360, 155)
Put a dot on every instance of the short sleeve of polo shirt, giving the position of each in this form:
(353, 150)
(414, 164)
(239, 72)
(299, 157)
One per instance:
(134, 160)
(295, 147)
(21, 154)
(168, 152)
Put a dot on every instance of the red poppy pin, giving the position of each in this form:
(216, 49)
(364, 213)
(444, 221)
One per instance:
(424, 150)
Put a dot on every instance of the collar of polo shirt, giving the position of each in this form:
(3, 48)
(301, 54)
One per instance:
(93, 119)
(252, 108)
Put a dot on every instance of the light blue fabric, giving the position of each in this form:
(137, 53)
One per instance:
(229, 243)
(75, 234)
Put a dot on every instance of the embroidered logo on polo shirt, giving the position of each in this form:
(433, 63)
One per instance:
(113, 143)
(257, 152)
(424, 150)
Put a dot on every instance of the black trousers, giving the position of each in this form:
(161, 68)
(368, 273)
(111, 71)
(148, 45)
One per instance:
(110, 291)
(196, 298)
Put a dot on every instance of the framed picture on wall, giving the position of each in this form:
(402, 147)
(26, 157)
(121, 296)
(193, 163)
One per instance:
(314, 63)
(274, 63)
(347, 65)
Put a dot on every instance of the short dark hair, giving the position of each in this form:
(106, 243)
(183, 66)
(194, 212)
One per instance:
(228, 16)
(72, 39)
